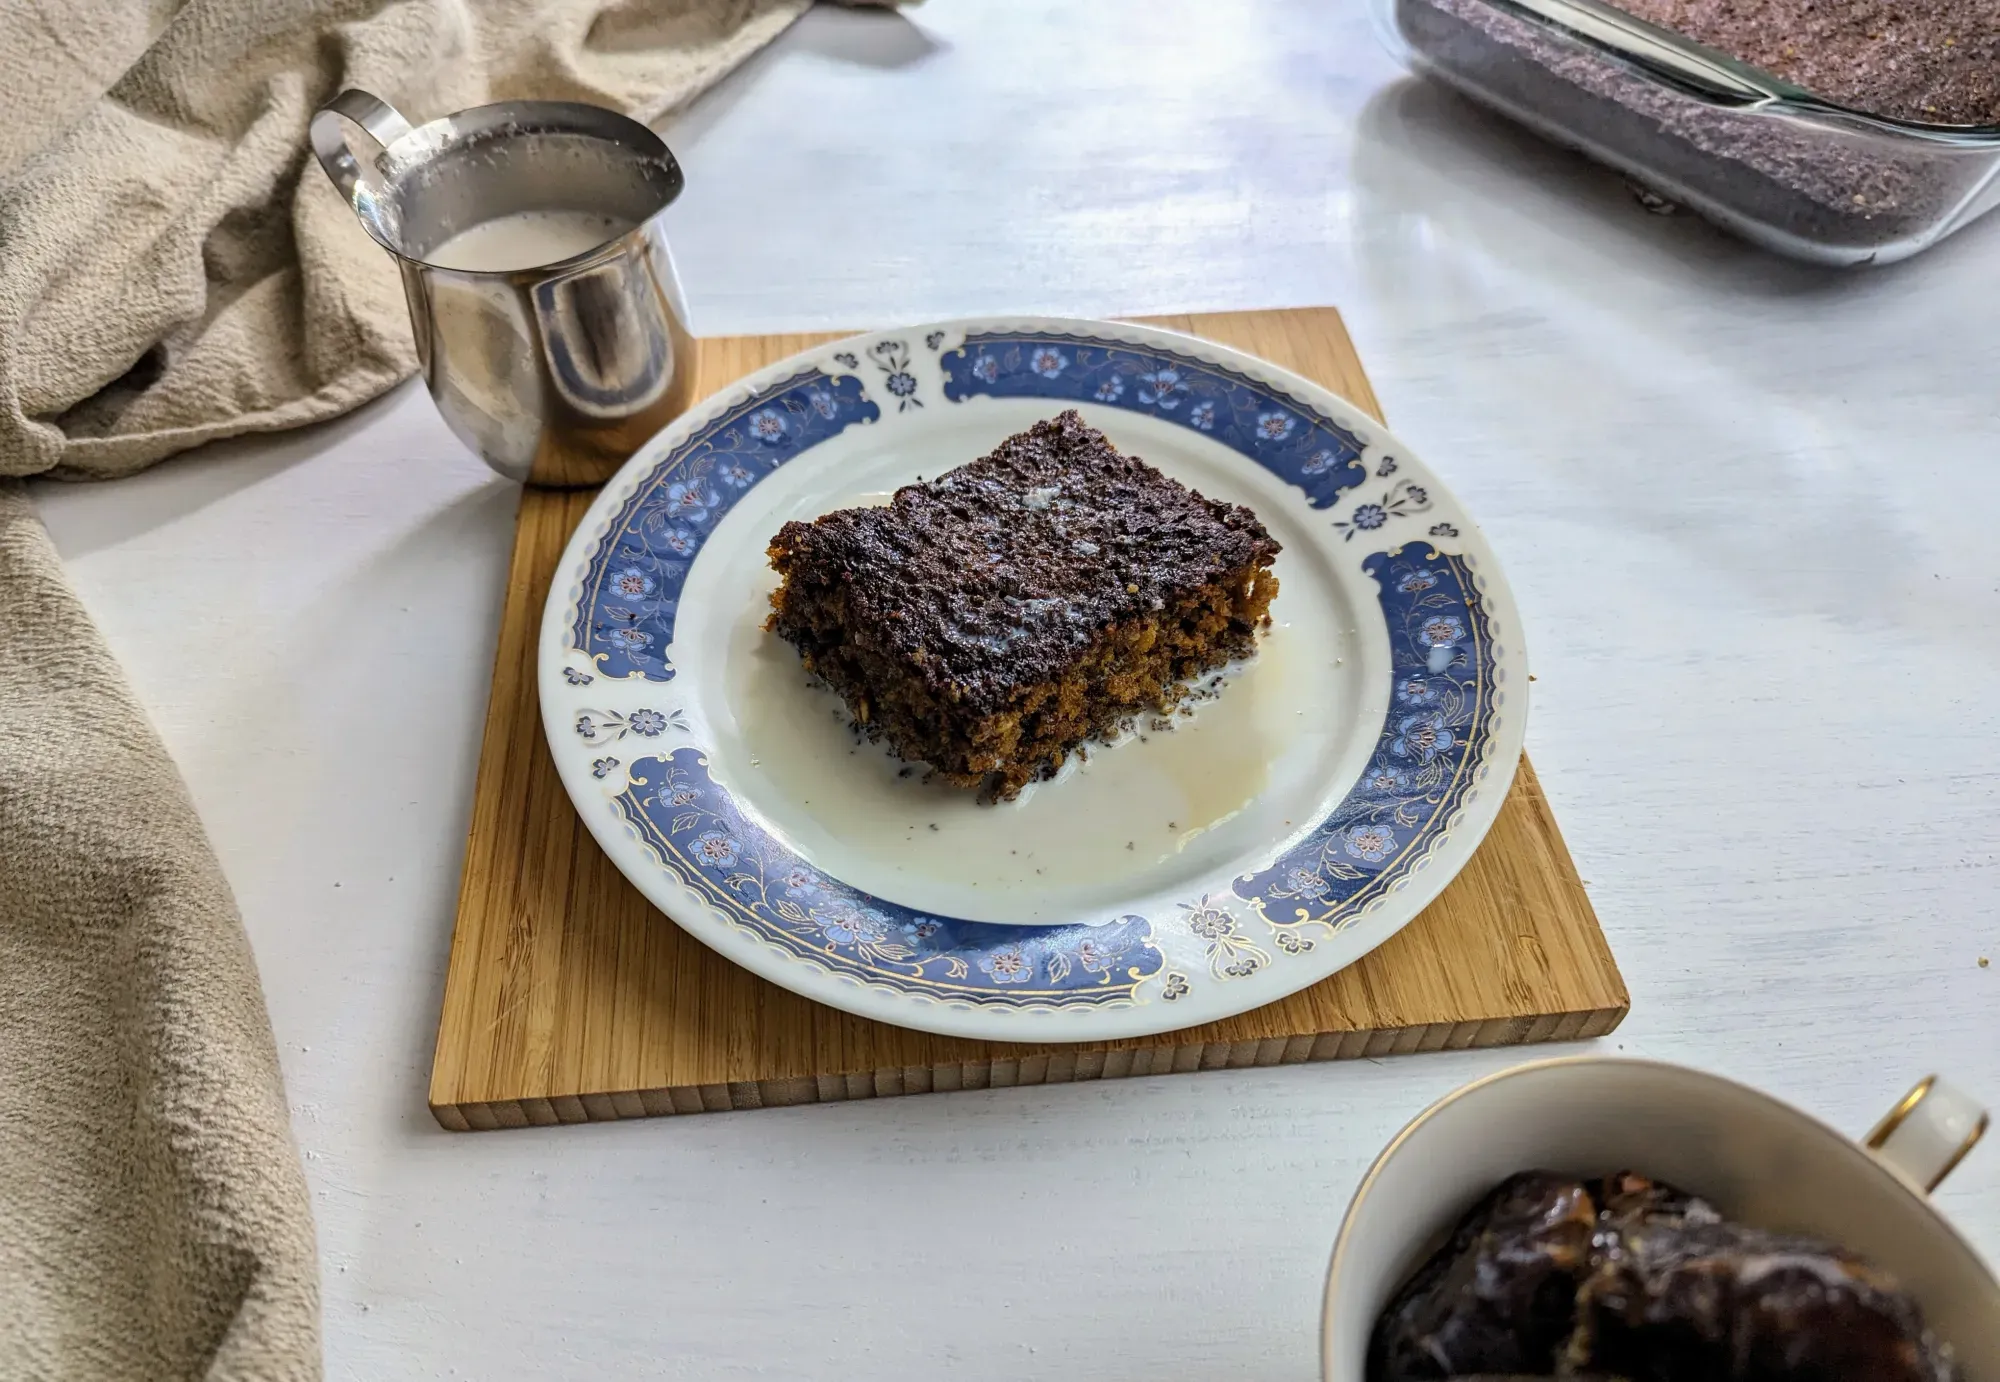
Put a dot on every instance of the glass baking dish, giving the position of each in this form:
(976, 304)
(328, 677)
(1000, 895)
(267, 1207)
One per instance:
(1758, 155)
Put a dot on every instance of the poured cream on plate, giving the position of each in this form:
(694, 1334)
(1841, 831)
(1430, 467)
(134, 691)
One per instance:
(1119, 810)
(1150, 822)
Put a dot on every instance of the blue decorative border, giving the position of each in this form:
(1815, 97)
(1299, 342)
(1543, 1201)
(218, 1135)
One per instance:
(1444, 695)
(631, 594)
(1425, 764)
(1296, 443)
(699, 836)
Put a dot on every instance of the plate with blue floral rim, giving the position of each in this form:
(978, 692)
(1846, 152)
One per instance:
(1311, 803)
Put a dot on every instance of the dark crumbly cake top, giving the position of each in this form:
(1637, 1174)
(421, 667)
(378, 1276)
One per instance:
(1934, 61)
(999, 573)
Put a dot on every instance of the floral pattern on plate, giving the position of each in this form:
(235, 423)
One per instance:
(1289, 439)
(1442, 700)
(631, 595)
(705, 840)
(1232, 941)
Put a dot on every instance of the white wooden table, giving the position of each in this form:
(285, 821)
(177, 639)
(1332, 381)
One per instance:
(1749, 510)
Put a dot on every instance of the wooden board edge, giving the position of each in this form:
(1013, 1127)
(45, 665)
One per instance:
(1601, 960)
(1064, 1067)
(493, 740)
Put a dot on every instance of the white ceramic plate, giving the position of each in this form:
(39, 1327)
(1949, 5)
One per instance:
(1287, 827)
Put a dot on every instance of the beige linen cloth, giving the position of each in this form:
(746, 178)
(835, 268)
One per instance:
(171, 271)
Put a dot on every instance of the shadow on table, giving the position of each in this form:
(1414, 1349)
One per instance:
(881, 39)
(183, 485)
(1429, 162)
(1615, 354)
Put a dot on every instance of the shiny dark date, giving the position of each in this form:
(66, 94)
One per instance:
(1629, 1279)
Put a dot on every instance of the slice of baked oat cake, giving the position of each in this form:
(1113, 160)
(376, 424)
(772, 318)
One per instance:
(991, 620)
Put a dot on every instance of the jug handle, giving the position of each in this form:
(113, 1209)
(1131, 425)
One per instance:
(380, 121)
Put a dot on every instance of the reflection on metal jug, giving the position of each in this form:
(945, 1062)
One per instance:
(555, 373)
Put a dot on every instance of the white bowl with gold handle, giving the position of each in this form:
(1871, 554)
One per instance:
(1754, 1157)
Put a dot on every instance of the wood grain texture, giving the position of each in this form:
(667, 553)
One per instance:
(570, 999)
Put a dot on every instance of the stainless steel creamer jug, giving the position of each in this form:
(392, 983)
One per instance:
(554, 373)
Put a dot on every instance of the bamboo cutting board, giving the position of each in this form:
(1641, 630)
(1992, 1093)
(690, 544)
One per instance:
(570, 999)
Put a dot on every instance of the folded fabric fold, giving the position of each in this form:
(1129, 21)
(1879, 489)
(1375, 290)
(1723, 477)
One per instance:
(153, 1215)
